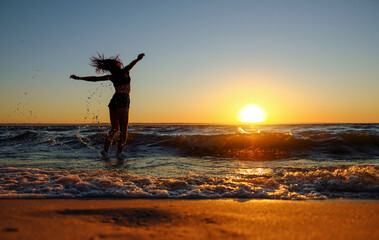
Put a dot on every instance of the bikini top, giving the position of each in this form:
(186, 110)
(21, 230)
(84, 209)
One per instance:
(123, 79)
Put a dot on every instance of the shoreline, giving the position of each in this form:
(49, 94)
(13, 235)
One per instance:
(188, 219)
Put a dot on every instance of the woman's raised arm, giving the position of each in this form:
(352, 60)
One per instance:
(134, 62)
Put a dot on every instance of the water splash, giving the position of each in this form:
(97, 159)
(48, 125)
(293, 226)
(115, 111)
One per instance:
(84, 140)
(92, 117)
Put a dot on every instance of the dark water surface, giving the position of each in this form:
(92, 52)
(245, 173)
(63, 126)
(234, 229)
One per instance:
(315, 161)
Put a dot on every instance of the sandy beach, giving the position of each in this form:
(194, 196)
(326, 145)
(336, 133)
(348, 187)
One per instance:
(188, 219)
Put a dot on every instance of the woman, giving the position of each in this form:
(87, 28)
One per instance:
(119, 104)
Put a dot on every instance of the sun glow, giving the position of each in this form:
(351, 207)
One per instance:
(252, 113)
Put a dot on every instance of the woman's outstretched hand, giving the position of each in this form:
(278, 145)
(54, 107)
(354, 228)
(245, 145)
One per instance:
(141, 56)
(74, 77)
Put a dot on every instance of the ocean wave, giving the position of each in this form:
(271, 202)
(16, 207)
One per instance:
(26, 136)
(301, 184)
(267, 146)
(243, 146)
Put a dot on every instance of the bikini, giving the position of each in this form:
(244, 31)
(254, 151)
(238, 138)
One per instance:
(120, 99)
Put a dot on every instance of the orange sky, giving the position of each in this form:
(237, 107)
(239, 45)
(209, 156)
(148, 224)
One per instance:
(302, 62)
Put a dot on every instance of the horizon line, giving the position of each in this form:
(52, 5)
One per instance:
(190, 123)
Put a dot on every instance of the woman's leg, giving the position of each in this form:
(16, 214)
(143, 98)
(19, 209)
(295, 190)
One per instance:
(123, 120)
(114, 129)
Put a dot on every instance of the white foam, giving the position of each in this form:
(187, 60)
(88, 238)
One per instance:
(357, 182)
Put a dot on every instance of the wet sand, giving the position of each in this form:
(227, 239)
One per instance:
(188, 219)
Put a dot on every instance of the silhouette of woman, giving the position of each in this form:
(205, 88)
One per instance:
(119, 104)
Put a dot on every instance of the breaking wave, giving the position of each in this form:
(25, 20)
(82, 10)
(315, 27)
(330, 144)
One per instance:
(254, 146)
(291, 183)
(267, 146)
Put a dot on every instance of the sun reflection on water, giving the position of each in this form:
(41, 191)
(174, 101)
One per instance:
(255, 171)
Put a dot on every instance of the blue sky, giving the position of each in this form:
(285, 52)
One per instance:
(303, 61)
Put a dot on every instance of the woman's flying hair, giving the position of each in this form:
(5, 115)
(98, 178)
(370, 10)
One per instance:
(105, 64)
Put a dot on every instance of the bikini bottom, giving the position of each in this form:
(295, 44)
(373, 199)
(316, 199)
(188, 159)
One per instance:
(119, 100)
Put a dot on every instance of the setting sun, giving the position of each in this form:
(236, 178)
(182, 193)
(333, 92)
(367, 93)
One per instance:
(251, 113)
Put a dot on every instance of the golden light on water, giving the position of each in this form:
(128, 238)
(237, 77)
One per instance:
(252, 113)
(254, 172)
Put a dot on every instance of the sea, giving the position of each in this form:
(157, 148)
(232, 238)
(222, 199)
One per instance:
(176, 161)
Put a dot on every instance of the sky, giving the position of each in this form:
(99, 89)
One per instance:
(302, 61)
